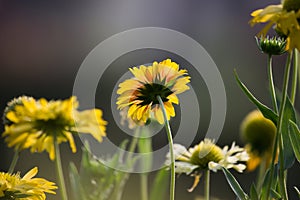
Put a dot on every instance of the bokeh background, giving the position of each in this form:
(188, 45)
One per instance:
(43, 43)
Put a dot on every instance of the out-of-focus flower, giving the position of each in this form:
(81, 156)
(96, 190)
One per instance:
(139, 94)
(258, 134)
(207, 155)
(285, 17)
(37, 124)
(12, 186)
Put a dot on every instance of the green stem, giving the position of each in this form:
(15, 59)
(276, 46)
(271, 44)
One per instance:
(271, 84)
(144, 186)
(278, 138)
(295, 74)
(207, 184)
(14, 162)
(59, 172)
(133, 143)
(172, 157)
(261, 172)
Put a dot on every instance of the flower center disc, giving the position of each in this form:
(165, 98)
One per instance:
(149, 92)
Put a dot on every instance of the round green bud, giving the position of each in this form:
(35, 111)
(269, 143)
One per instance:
(271, 46)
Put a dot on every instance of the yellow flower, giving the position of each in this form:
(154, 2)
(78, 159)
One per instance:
(139, 94)
(259, 133)
(285, 16)
(36, 124)
(12, 186)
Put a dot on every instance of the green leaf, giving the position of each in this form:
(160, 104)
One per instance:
(288, 152)
(253, 193)
(266, 111)
(160, 185)
(295, 138)
(235, 186)
(263, 193)
(275, 194)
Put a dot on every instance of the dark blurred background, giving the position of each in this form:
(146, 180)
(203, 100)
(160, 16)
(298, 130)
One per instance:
(43, 43)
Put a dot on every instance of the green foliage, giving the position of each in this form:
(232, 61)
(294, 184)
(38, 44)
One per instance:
(99, 179)
(160, 185)
(235, 186)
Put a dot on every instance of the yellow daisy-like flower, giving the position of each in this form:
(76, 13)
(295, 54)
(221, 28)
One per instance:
(259, 133)
(285, 16)
(12, 186)
(207, 155)
(139, 94)
(36, 124)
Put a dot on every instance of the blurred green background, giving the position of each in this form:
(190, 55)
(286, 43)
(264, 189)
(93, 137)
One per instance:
(43, 43)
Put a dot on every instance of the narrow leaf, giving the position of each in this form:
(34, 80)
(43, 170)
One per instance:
(235, 186)
(266, 111)
(295, 138)
(263, 193)
(253, 193)
(160, 185)
(275, 194)
(288, 152)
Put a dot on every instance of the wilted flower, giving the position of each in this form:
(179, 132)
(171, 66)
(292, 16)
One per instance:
(37, 124)
(12, 186)
(285, 17)
(139, 94)
(258, 132)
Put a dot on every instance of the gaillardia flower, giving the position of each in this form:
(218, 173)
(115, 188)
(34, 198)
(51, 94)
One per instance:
(37, 124)
(12, 186)
(140, 93)
(207, 155)
(259, 133)
(285, 17)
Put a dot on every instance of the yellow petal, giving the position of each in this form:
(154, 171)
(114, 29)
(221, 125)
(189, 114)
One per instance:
(30, 174)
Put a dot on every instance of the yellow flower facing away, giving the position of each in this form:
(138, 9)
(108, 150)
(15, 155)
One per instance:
(285, 17)
(139, 94)
(12, 186)
(36, 124)
(258, 133)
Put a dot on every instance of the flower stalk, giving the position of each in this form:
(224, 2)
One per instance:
(59, 172)
(170, 140)
(207, 184)
(14, 162)
(278, 138)
(271, 84)
(295, 76)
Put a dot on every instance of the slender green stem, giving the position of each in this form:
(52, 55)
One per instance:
(144, 186)
(133, 143)
(271, 84)
(207, 184)
(278, 138)
(59, 172)
(261, 172)
(295, 74)
(14, 162)
(172, 157)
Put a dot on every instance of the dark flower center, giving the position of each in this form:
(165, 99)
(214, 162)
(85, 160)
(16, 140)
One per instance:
(52, 126)
(149, 92)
